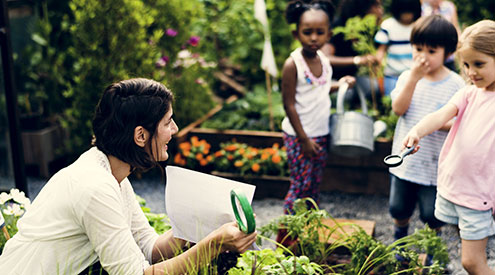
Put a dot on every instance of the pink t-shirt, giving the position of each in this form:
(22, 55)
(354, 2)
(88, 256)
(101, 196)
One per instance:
(466, 170)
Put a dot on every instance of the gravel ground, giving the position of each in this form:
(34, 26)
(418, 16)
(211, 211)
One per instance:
(339, 205)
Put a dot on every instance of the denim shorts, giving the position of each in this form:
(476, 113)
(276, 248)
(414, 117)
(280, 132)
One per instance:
(473, 224)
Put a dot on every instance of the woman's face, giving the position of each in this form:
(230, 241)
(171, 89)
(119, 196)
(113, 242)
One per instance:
(165, 130)
(377, 10)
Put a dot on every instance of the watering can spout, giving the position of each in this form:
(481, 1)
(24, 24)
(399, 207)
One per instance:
(379, 127)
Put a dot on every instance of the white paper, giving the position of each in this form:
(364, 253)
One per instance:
(199, 203)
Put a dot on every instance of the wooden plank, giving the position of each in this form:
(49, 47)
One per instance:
(341, 228)
(230, 82)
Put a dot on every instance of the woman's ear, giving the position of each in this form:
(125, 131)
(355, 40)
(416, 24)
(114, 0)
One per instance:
(141, 136)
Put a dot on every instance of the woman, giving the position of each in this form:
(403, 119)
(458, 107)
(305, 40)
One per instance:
(88, 213)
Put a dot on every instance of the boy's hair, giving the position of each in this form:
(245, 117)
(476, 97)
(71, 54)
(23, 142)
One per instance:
(296, 8)
(435, 31)
(480, 37)
(352, 8)
(398, 7)
(124, 106)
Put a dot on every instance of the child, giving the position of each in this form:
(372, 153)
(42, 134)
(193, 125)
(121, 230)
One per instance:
(306, 82)
(420, 91)
(393, 38)
(466, 193)
(448, 10)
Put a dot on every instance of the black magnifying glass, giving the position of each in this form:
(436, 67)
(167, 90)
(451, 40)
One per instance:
(396, 160)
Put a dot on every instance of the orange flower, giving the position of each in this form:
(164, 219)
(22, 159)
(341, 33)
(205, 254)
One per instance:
(206, 150)
(185, 146)
(199, 156)
(238, 163)
(276, 159)
(230, 157)
(179, 160)
(241, 151)
(186, 153)
(275, 146)
(209, 158)
(231, 147)
(203, 162)
(255, 167)
(219, 153)
(264, 156)
(195, 141)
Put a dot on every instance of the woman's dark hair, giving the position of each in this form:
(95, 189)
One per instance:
(124, 106)
(295, 9)
(398, 7)
(352, 8)
(435, 31)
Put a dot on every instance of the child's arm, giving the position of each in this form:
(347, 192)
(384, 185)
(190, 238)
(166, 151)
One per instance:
(429, 124)
(403, 100)
(351, 80)
(289, 82)
(381, 52)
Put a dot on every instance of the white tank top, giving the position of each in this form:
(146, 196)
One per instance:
(312, 97)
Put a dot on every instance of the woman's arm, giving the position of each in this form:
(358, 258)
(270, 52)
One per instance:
(429, 124)
(227, 237)
(343, 61)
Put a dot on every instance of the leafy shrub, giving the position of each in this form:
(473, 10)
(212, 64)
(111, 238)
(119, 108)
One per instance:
(249, 113)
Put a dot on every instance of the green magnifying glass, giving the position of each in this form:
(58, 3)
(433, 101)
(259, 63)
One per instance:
(246, 221)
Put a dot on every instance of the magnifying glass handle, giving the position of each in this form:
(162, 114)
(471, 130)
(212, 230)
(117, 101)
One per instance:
(407, 151)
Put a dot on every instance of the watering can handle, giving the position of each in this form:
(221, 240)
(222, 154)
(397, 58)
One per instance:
(343, 88)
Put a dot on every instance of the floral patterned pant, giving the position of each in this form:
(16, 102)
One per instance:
(305, 173)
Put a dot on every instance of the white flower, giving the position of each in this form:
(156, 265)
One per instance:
(13, 209)
(4, 197)
(184, 54)
(17, 195)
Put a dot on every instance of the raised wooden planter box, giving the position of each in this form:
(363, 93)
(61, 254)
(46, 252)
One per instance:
(40, 147)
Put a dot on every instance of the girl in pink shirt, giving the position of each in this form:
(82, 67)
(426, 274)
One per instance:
(466, 170)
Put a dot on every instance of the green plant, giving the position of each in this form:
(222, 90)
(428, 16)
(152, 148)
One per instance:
(367, 255)
(249, 113)
(12, 207)
(160, 222)
(231, 31)
(361, 31)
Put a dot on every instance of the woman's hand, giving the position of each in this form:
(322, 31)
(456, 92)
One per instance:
(229, 237)
(366, 60)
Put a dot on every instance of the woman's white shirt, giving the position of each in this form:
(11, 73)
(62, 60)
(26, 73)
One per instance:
(81, 215)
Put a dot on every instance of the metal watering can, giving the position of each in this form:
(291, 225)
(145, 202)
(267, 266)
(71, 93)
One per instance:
(351, 132)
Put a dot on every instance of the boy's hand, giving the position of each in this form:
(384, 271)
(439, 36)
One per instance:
(412, 139)
(420, 67)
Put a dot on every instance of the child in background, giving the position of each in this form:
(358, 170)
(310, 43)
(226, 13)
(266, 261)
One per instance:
(466, 166)
(306, 83)
(448, 10)
(393, 38)
(420, 91)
